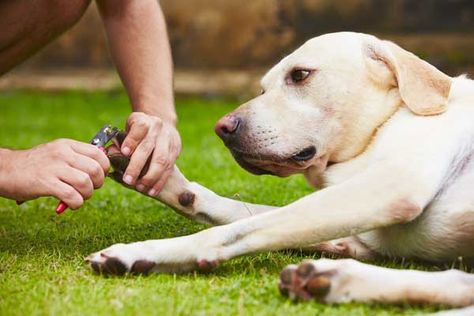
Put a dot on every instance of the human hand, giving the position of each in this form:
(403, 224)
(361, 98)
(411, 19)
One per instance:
(154, 142)
(66, 169)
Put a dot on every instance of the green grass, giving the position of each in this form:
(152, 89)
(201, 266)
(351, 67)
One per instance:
(41, 255)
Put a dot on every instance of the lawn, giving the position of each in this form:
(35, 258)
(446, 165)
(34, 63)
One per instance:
(42, 271)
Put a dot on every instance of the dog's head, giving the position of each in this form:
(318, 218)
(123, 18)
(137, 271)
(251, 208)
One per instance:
(324, 102)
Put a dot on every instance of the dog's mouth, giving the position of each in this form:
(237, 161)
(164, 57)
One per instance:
(305, 155)
(260, 164)
(250, 167)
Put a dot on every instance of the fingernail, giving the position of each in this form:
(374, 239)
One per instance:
(126, 151)
(128, 179)
(152, 192)
(140, 187)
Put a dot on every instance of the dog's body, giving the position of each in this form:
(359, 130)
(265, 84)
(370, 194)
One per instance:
(388, 137)
(444, 230)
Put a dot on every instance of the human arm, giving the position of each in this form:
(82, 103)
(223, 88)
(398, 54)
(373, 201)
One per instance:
(138, 41)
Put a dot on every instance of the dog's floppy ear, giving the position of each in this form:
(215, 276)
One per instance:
(422, 87)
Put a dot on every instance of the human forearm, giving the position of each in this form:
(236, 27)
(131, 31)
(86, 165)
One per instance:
(138, 41)
(139, 45)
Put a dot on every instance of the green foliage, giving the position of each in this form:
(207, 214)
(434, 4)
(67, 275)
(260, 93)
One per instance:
(42, 271)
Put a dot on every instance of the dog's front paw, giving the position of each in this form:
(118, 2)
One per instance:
(120, 259)
(157, 256)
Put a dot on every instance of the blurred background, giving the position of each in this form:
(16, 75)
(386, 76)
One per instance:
(222, 47)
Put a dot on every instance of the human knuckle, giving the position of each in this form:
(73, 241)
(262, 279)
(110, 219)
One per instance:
(146, 146)
(150, 142)
(134, 116)
(168, 167)
(57, 153)
(148, 180)
(140, 123)
(60, 142)
(96, 152)
(83, 180)
(68, 193)
(164, 162)
(131, 141)
(96, 171)
(161, 159)
(133, 170)
(157, 121)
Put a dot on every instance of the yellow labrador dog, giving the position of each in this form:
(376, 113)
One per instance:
(388, 138)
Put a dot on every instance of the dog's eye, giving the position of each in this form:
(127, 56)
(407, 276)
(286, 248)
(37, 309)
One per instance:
(262, 91)
(299, 75)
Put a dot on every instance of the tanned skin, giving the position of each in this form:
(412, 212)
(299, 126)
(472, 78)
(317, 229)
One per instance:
(138, 41)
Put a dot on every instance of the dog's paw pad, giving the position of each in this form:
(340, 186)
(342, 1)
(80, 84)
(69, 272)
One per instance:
(106, 265)
(319, 286)
(286, 279)
(186, 199)
(142, 267)
(305, 281)
(207, 265)
(305, 269)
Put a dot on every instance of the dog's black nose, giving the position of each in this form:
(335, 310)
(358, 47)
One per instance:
(228, 126)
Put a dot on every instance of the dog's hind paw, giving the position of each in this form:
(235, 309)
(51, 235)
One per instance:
(325, 280)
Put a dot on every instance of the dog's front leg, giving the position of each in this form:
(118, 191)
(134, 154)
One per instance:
(368, 201)
(203, 205)
(192, 199)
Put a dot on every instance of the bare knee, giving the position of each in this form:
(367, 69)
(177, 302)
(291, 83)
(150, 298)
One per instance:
(22, 21)
(26, 27)
(64, 14)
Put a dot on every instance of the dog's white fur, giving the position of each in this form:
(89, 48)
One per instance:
(399, 137)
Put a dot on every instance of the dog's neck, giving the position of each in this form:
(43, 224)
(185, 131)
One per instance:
(359, 128)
